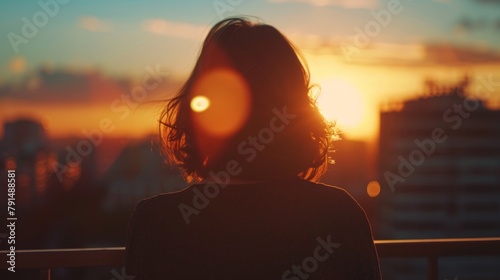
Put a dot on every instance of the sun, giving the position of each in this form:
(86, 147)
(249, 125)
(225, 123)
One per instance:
(340, 101)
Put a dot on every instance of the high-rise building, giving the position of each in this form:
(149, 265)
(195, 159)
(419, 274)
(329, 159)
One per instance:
(439, 165)
(25, 148)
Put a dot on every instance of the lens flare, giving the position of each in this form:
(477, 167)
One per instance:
(200, 103)
(221, 103)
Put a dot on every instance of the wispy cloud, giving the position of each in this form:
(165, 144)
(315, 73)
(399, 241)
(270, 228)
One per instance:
(347, 4)
(400, 54)
(450, 54)
(425, 54)
(175, 29)
(94, 24)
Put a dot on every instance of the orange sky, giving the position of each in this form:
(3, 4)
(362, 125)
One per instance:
(71, 120)
(351, 94)
(355, 93)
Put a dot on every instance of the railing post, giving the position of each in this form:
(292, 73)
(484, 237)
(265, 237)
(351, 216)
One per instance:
(432, 267)
(45, 273)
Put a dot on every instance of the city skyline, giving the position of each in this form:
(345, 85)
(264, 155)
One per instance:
(363, 54)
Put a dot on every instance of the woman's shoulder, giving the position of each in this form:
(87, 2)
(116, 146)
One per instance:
(302, 187)
(324, 187)
(300, 193)
(162, 199)
(334, 198)
(327, 191)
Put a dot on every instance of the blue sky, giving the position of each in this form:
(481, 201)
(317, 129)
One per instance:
(112, 35)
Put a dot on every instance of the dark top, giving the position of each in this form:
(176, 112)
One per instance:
(288, 229)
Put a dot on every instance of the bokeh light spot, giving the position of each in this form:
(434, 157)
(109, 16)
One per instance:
(200, 103)
(10, 163)
(17, 64)
(221, 102)
(373, 189)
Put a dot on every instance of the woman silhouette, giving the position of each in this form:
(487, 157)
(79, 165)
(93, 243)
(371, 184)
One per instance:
(244, 130)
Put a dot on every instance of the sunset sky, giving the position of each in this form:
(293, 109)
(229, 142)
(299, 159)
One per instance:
(359, 62)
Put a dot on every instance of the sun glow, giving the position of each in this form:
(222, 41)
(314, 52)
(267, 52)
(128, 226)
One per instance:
(340, 101)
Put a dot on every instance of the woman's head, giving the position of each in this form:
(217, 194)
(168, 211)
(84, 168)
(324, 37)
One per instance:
(246, 106)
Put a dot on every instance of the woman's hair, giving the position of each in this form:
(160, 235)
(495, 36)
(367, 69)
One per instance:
(246, 109)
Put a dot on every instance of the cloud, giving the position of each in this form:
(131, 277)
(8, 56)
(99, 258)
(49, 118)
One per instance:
(17, 64)
(488, 1)
(175, 29)
(467, 24)
(94, 24)
(347, 4)
(47, 85)
(449, 54)
(400, 54)
(425, 55)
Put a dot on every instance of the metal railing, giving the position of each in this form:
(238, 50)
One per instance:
(431, 249)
